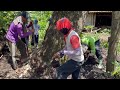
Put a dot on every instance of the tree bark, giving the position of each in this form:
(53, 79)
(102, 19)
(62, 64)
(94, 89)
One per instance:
(53, 40)
(113, 41)
(84, 16)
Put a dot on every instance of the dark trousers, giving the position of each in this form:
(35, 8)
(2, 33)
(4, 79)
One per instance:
(98, 50)
(23, 39)
(32, 41)
(70, 67)
(35, 39)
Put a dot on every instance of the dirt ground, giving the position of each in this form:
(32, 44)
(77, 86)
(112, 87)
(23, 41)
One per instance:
(88, 71)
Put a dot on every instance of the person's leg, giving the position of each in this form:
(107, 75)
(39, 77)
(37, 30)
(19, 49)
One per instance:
(32, 42)
(98, 53)
(12, 49)
(9, 46)
(36, 40)
(24, 40)
(13, 56)
(76, 73)
(66, 69)
(27, 42)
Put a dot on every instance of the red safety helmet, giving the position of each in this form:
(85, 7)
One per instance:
(63, 23)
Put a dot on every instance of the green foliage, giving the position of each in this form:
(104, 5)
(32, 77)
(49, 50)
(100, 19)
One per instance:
(117, 69)
(106, 30)
(104, 44)
(5, 18)
(42, 17)
(88, 27)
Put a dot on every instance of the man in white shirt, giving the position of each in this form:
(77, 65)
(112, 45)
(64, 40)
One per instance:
(72, 49)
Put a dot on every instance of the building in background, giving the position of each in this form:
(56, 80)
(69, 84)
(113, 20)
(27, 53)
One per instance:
(99, 18)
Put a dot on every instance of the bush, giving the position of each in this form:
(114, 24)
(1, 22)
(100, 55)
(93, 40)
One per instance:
(104, 44)
(116, 72)
(42, 17)
(105, 31)
(88, 27)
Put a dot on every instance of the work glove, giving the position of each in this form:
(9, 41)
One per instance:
(61, 54)
(55, 63)
(56, 55)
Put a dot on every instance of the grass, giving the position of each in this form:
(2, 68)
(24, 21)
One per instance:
(88, 27)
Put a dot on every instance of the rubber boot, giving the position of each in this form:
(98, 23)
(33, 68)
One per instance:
(100, 66)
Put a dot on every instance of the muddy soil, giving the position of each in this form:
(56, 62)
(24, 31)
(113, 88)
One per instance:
(36, 70)
(88, 70)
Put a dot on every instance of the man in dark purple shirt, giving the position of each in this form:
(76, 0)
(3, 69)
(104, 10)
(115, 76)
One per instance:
(15, 32)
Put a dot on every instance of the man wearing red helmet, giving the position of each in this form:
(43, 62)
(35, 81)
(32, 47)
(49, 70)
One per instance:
(73, 49)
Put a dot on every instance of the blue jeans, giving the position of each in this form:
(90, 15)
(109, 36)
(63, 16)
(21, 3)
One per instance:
(70, 67)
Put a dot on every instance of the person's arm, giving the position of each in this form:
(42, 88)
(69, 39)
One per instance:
(20, 31)
(65, 48)
(74, 40)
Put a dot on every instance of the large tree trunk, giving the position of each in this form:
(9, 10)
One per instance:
(53, 41)
(84, 16)
(115, 33)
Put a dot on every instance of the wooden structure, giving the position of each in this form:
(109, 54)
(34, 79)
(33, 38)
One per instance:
(99, 18)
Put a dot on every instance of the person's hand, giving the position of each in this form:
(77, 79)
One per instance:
(31, 23)
(56, 55)
(32, 30)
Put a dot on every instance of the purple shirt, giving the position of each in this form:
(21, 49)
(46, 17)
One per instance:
(14, 31)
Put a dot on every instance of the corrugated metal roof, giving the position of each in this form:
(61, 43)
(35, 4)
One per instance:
(99, 11)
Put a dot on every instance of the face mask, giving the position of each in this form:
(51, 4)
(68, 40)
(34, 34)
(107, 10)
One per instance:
(65, 31)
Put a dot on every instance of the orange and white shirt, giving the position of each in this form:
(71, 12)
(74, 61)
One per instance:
(73, 47)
